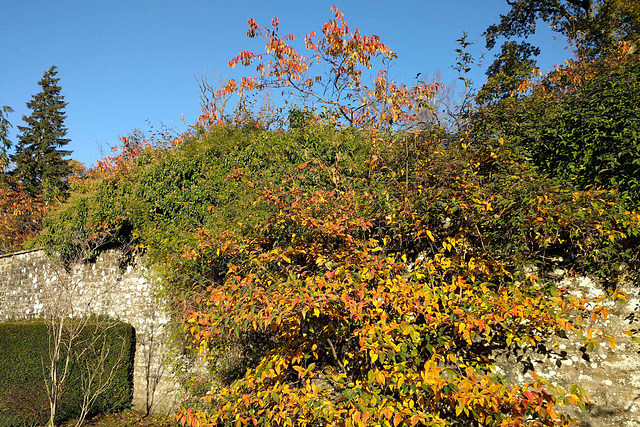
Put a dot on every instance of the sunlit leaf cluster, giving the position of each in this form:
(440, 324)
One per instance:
(394, 316)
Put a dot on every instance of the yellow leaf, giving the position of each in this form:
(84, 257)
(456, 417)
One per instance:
(400, 381)
(373, 355)
(430, 236)
(461, 326)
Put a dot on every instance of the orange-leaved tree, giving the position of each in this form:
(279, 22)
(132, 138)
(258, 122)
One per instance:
(339, 87)
(20, 216)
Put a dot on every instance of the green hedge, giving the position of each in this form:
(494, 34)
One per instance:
(24, 350)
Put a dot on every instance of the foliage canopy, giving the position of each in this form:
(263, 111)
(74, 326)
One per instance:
(351, 297)
(591, 27)
(579, 123)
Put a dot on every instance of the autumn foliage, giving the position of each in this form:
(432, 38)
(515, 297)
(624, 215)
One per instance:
(393, 315)
(338, 88)
(354, 270)
(21, 217)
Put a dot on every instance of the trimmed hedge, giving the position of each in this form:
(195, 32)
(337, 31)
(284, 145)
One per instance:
(24, 347)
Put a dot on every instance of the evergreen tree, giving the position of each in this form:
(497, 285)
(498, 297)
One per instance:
(5, 143)
(40, 163)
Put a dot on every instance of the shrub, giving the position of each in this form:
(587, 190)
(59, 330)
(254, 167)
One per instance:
(379, 294)
(24, 350)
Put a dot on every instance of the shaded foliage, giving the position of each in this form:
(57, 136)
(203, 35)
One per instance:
(23, 400)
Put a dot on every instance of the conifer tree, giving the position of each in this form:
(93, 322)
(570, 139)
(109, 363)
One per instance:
(5, 125)
(40, 163)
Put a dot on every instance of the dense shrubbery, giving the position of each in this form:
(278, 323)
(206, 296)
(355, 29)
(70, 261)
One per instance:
(24, 350)
(360, 275)
(175, 193)
(362, 264)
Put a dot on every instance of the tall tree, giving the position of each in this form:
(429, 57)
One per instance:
(591, 27)
(514, 65)
(40, 162)
(5, 143)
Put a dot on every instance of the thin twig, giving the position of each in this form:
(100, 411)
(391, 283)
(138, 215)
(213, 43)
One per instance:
(335, 356)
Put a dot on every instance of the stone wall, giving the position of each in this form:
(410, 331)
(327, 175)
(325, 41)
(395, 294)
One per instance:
(31, 283)
(609, 376)
(124, 288)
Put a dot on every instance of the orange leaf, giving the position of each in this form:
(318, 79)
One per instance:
(397, 419)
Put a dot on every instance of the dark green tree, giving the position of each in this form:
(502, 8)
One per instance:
(591, 27)
(514, 65)
(5, 143)
(40, 163)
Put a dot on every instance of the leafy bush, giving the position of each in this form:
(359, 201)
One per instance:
(158, 204)
(24, 350)
(580, 123)
(341, 259)
(595, 139)
(373, 289)
(352, 273)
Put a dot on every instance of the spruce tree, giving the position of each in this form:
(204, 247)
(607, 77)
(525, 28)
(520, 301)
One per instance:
(40, 163)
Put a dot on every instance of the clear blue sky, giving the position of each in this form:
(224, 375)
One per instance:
(123, 63)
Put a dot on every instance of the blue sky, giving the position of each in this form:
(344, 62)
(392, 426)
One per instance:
(124, 64)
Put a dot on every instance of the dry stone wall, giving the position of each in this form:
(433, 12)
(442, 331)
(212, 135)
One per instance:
(125, 289)
(609, 376)
(30, 283)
